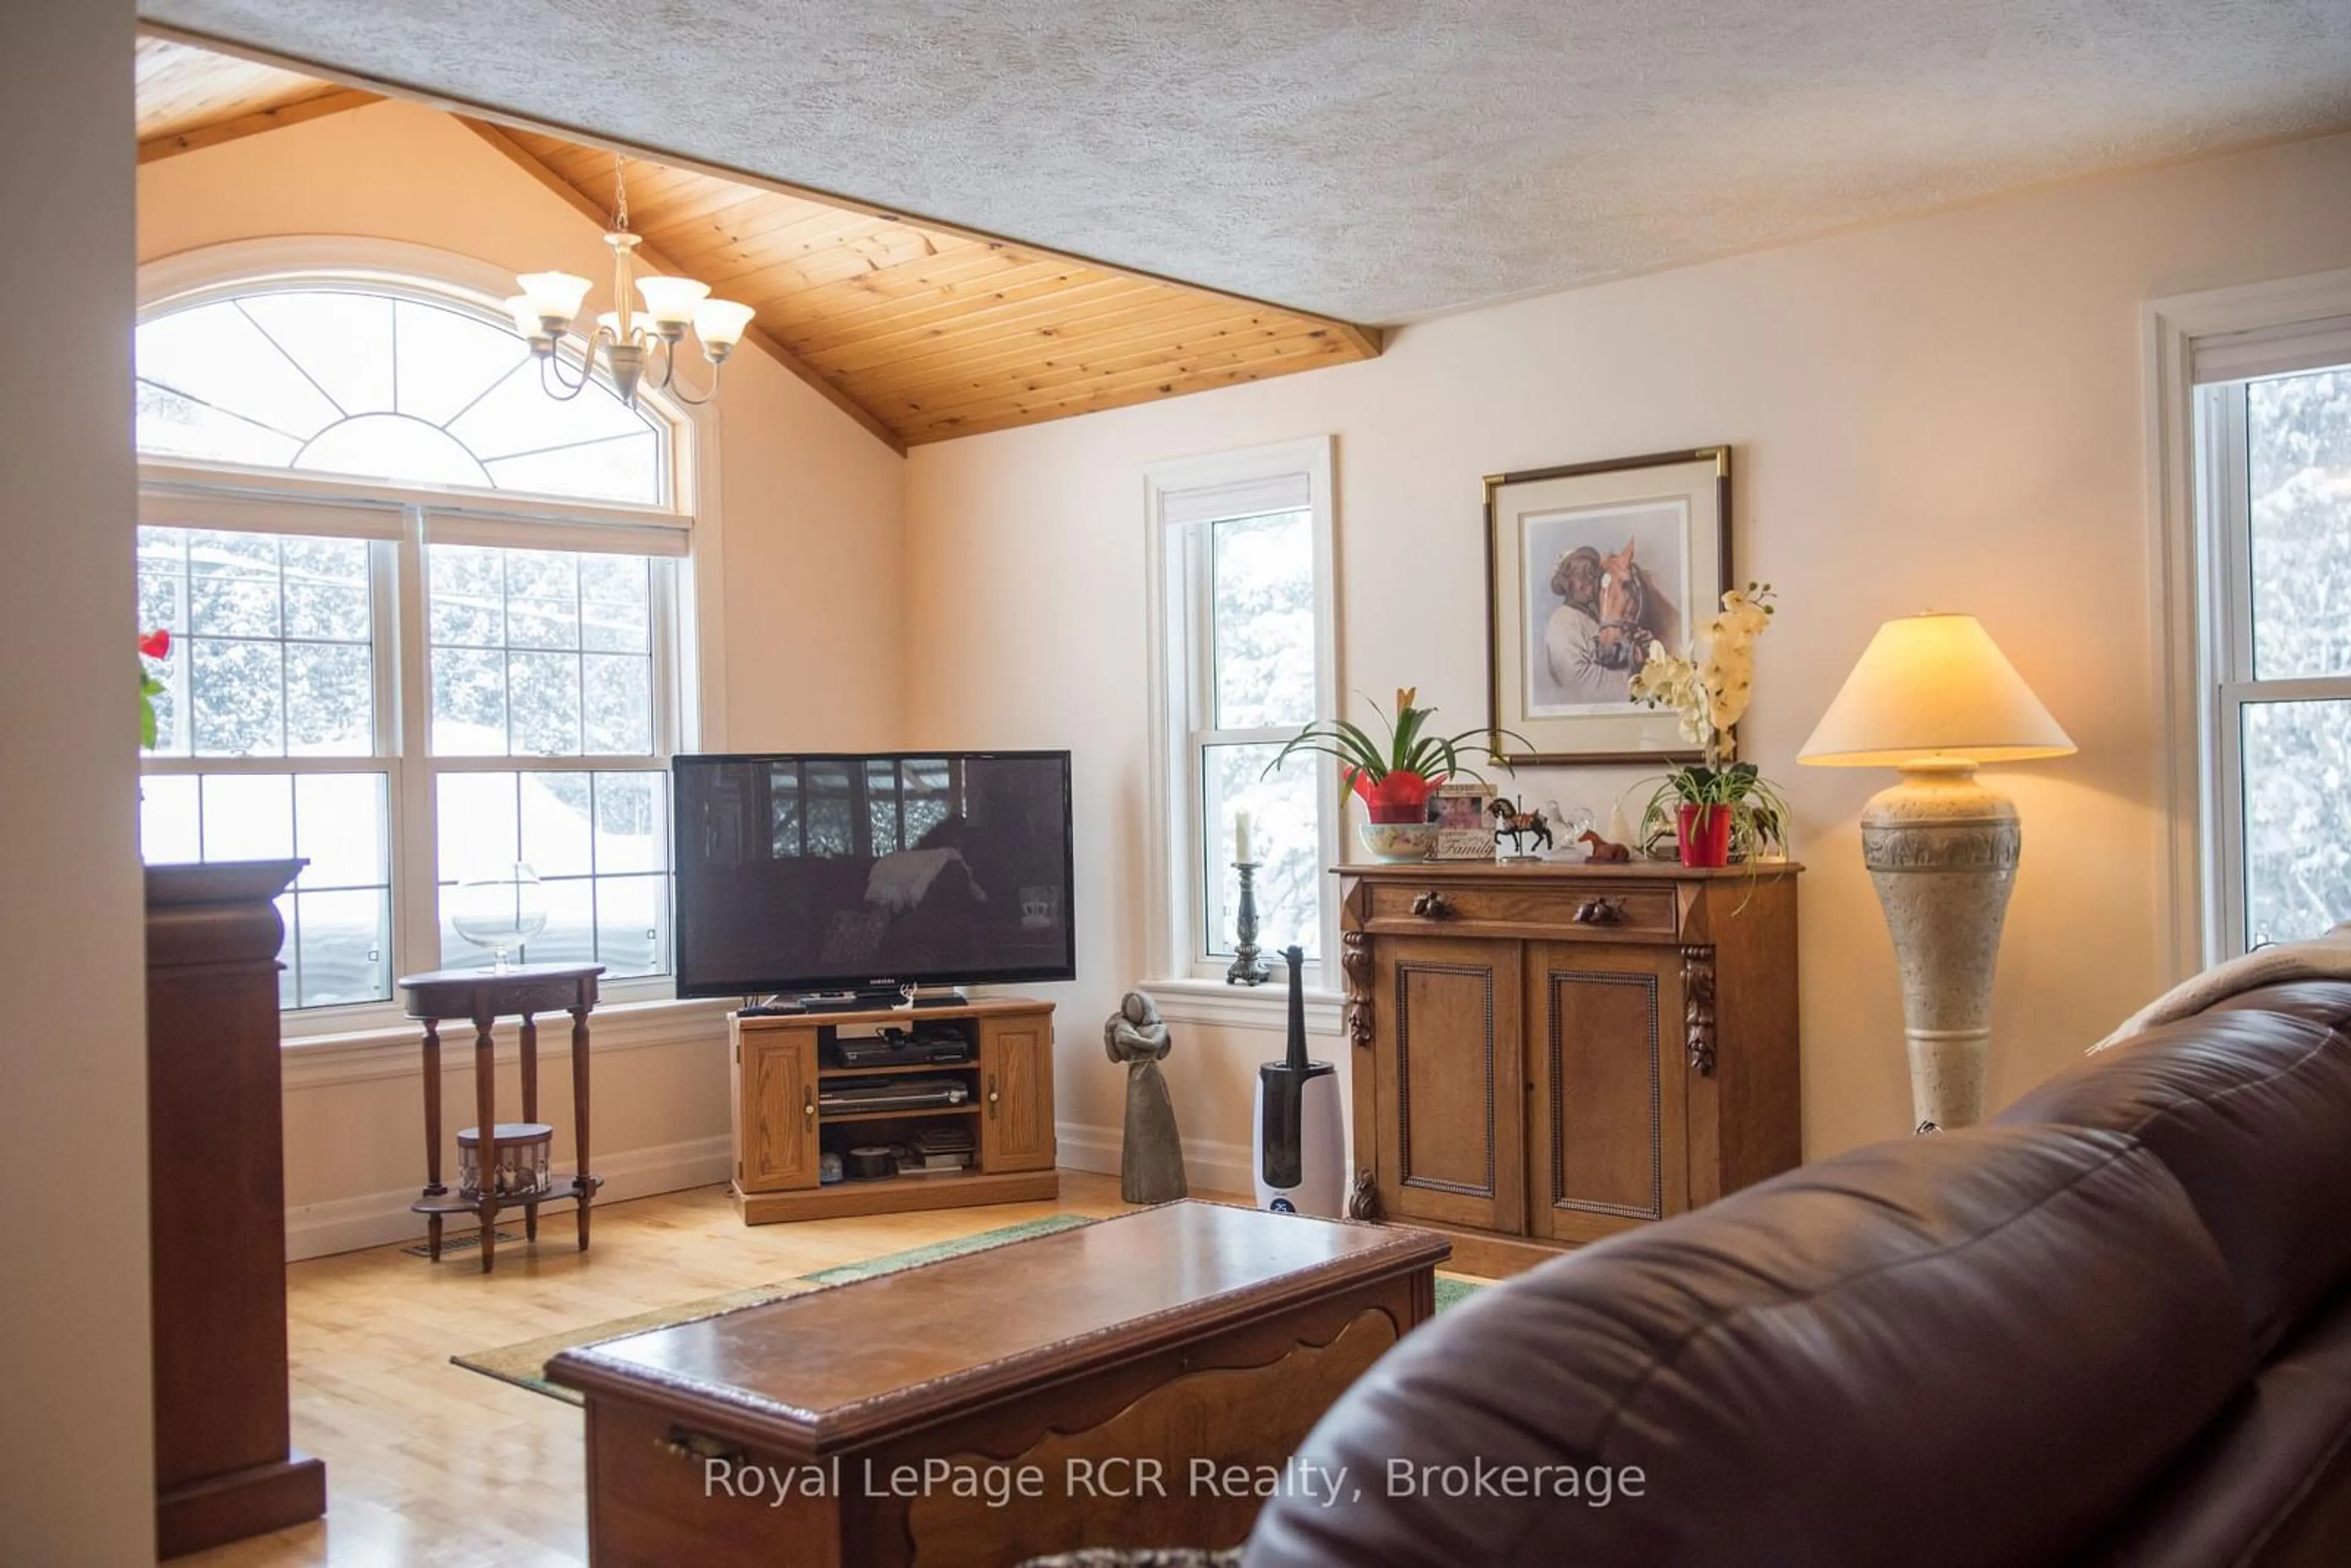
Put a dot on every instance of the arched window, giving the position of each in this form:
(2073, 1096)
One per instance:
(379, 387)
(318, 454)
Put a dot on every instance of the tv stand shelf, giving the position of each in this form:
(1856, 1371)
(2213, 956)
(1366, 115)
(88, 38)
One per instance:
(836, 1118)
(910, 1070)
(781, 1133)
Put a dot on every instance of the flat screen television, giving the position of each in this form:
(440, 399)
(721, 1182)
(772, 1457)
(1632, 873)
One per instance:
(835, 872)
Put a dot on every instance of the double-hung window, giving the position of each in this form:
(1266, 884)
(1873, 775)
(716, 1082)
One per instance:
(1243, 658)
(425, 626)
(2273, 468)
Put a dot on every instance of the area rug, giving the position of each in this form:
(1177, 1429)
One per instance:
(524, 1365)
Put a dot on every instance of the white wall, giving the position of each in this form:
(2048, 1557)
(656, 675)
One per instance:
(77, 1466)
(1945, 411)
(1940, 411)
(811, 509)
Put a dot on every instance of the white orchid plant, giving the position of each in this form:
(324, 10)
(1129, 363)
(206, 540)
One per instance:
(1709, 687)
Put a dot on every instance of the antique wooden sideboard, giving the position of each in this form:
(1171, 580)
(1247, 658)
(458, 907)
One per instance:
(1546, 1054)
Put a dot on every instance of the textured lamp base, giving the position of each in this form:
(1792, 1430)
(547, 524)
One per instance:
(1942, 849)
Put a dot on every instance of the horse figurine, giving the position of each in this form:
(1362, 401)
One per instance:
(1634, 614)
(1603, 852)
(1517, 826)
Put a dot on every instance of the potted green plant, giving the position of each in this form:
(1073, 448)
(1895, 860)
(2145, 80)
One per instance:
(1720, 807)
(1396, 776)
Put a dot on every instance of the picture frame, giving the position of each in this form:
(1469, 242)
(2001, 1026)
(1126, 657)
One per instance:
(1587, 566)
(1464, 831)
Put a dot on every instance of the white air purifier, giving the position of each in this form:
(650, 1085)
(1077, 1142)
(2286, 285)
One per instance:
(1299, 1154)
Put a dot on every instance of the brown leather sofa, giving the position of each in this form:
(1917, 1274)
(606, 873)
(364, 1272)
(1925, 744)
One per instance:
(2114, 1328)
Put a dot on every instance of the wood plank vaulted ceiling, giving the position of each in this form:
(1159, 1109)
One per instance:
(921, 332)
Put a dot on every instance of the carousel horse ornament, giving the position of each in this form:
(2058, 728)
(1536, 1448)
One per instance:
(1517, 826)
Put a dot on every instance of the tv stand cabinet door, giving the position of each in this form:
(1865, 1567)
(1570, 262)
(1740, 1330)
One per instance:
(1016, 1093)
(775, 1127)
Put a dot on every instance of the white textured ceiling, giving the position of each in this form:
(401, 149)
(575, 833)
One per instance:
(1375, 160)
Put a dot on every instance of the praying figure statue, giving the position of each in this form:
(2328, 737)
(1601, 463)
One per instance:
(1150, 1170)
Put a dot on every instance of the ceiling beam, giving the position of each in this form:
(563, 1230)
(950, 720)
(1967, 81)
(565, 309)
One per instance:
(333, 100)
(522, 158)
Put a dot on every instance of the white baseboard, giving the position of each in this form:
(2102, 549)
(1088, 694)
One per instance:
(380, 1219)
(1208, 1165)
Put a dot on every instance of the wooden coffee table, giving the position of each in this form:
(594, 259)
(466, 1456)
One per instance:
(1133, 1382)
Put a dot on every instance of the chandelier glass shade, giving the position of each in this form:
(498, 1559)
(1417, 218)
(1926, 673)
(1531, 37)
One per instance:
(642, 333)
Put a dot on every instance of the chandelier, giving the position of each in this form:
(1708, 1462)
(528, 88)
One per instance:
(632, 340)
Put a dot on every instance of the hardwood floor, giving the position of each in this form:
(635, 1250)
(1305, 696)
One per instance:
(428, 1463)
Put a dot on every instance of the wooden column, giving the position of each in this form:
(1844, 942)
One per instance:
(225, 1466)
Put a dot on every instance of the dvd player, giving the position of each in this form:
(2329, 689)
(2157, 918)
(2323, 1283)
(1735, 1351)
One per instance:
(897, 1049)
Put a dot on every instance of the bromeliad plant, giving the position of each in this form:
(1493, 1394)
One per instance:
(156, 645)
(1721, 806)
(1396, 777)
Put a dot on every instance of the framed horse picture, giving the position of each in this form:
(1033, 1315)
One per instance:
(1588, 567)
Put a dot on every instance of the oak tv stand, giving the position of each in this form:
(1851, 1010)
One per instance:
(782, 1065)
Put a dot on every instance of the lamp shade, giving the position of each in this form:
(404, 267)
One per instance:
(719, 323)
(1933, 685)
(556, 295)
(671, 300)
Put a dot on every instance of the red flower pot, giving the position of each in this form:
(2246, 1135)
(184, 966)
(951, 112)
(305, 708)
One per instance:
(1703, 833)
(1400, 796)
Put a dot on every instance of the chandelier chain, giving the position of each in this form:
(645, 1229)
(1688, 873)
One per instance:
(620, 195)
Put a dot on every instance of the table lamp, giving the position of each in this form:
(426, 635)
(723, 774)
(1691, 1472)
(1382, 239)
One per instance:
(1933, 696)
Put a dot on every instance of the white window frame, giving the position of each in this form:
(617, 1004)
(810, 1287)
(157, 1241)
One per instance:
(2200, 558)
(1189, 981)
(685, 534)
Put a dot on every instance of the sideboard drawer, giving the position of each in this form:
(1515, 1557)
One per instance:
(1601, 906)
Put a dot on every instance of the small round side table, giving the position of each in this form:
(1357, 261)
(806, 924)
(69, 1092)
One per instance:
(483, 997)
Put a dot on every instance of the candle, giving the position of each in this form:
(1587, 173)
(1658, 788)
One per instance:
(1242, 839)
